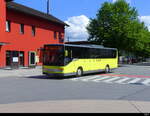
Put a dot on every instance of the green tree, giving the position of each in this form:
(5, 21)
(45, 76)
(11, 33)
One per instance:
(117, 25)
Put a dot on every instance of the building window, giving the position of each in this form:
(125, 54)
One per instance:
(59, 35)
(55, 35)
(22, 28)
(8, 26)
(33, 31)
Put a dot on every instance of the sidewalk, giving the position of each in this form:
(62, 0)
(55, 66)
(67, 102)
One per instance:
(143, 64)
(77, 106)
(21, 72)
(137, 64)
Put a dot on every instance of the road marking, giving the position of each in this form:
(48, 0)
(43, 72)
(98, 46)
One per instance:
(124, 75)
(100, 79)
(75, 79)
(86, 78)
(90, 78)
(134, 81)
(146, 82)
(122, 80)
(112, 79)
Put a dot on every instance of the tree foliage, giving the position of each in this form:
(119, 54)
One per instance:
(117, 25)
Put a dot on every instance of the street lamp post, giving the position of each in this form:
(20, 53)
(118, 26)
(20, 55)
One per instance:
(48, 6)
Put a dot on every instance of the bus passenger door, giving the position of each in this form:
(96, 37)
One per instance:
(69, 61)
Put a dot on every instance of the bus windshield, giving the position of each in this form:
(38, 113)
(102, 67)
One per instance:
(53, 55)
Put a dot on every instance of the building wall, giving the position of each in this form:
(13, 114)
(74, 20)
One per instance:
(27, 42)
(2, 27)
(2, 19)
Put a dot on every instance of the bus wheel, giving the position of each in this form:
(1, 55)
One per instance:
(107, 69)
(79, 72)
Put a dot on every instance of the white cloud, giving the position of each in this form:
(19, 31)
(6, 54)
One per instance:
(128, 1)
(77, 28)
(114, 1)
(146, 20)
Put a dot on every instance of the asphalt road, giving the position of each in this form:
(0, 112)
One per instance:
(42, 88)
(139, 69)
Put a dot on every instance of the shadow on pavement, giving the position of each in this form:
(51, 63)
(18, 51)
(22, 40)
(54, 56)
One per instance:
(61, 78)
(46, 77)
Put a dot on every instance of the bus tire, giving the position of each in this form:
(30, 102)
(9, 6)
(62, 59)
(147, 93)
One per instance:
(107, 69)
(79, 72)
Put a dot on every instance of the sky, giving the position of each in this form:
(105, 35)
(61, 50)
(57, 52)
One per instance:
(77, 13)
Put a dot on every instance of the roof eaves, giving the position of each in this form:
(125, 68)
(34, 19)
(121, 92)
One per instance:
(33, 12)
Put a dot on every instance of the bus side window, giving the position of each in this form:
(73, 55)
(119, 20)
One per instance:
(68, 56)
(66, 53)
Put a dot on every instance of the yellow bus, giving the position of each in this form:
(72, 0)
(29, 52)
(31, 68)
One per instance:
(69, 59)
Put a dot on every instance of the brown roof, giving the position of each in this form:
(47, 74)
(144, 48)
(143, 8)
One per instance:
(33, 12)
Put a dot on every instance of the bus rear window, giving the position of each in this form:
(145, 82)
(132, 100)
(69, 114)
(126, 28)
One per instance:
(53, 55)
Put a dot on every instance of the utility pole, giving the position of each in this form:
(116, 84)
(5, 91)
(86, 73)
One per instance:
(48, 6)
(68, 38)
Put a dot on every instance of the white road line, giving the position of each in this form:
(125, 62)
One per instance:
(134, 80)
(146, 82)
(75, 79)
(90, 78)
(112, 79)
(100, 79)
(122, 80)
(85, 78)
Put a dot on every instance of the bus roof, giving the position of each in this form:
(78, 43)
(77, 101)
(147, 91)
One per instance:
(84, 46)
